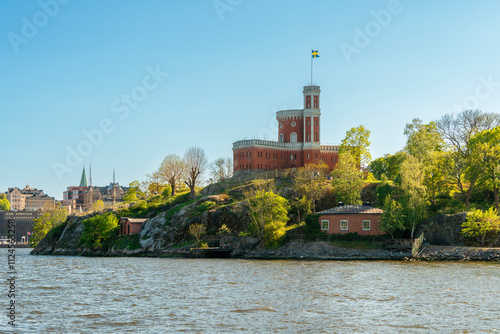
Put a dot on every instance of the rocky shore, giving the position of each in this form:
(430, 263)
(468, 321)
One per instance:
(455, 253)
(324, 251)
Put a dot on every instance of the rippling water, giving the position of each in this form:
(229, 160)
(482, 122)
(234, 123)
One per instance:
(61, 294)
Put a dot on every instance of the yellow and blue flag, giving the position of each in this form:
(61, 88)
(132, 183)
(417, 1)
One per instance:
(315, 53)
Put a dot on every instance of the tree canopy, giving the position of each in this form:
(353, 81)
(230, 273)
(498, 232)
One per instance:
(356, 142)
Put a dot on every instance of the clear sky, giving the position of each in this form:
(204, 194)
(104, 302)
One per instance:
(144, 79)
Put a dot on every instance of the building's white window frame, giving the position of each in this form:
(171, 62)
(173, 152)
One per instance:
(327, 225)
(346, 225)
(369, 225)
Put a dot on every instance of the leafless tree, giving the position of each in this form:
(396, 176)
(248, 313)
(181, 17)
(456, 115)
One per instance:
(195, 161)
(221, 169)
(172, 170)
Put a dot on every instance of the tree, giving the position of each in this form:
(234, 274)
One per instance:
(388, 165)
(413, 190)
(268, 216)
(484, 164)
(99, 229)
(457, 132)
(347, 180)
(196, 161)
(221, 169)
(426, 144)
(356, 142)
(156, 185)
(309, 181)
(302, 206)
(45, 223)
(197, 231)
(98, 206)
(172, 171)
(392, 219)
(4, 202)
(480, 223)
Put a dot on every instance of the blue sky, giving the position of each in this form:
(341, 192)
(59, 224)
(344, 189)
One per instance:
(223, 68)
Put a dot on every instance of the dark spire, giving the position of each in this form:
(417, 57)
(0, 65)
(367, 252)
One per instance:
(83, 181)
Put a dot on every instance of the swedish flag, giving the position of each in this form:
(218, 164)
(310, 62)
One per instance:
(315, 53)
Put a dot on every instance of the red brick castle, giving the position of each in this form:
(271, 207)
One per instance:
(298, 141)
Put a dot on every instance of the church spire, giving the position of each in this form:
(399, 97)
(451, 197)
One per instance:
(83, 181)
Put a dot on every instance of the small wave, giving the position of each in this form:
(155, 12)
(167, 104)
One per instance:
(268, 309)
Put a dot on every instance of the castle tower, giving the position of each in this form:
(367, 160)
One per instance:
(312, 114)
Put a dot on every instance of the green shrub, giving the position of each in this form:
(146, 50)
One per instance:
(312, 224)
(99, 229)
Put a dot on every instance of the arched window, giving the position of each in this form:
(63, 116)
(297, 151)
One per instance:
(293, 137)
(281, 137)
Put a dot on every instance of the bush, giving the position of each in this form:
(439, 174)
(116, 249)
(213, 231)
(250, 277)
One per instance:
(312, 224)
(99, 229)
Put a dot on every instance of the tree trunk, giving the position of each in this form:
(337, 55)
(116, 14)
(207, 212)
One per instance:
(495, 192)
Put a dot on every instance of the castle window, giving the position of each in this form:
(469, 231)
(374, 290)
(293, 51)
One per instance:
(316, 101)
(281, 137)
(308, 122)
(316, 155)
(293, 137)
(307, 156)
(315, 137)
(293, 124)
(308, 101)
(315, 122)
(281, 125)
(291, 156)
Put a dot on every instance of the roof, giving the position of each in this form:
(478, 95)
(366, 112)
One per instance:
(135, 220)
(83, 181)
(40, 197)
(352, 209)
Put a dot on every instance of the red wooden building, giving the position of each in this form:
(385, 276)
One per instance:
(360, 219)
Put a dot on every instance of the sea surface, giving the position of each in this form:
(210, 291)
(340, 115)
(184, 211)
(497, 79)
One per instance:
(65, 294)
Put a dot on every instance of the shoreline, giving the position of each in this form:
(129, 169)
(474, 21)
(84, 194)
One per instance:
(312, 251)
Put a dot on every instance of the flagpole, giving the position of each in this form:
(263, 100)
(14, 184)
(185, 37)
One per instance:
(311, 67)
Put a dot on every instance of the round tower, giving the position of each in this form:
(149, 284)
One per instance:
(312, 113)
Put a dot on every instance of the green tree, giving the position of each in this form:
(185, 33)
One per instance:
(308, 181)
(480, 223)
(414, 197)
(4, 202)
(268, 216)
(347, 180)
(484, 164)
(302, 206)
(392, 219)
(425, 142)
(98, 206)
(45, 223)
(99, 229)
(457, 131)
(356, 142)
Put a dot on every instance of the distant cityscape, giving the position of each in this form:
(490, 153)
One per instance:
(28, 203)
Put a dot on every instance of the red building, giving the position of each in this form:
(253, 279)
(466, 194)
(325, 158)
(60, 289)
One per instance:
(360, 219)
(129, 226)
(298, 141)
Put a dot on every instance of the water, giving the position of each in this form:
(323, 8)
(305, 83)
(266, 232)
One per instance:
(60, 294)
